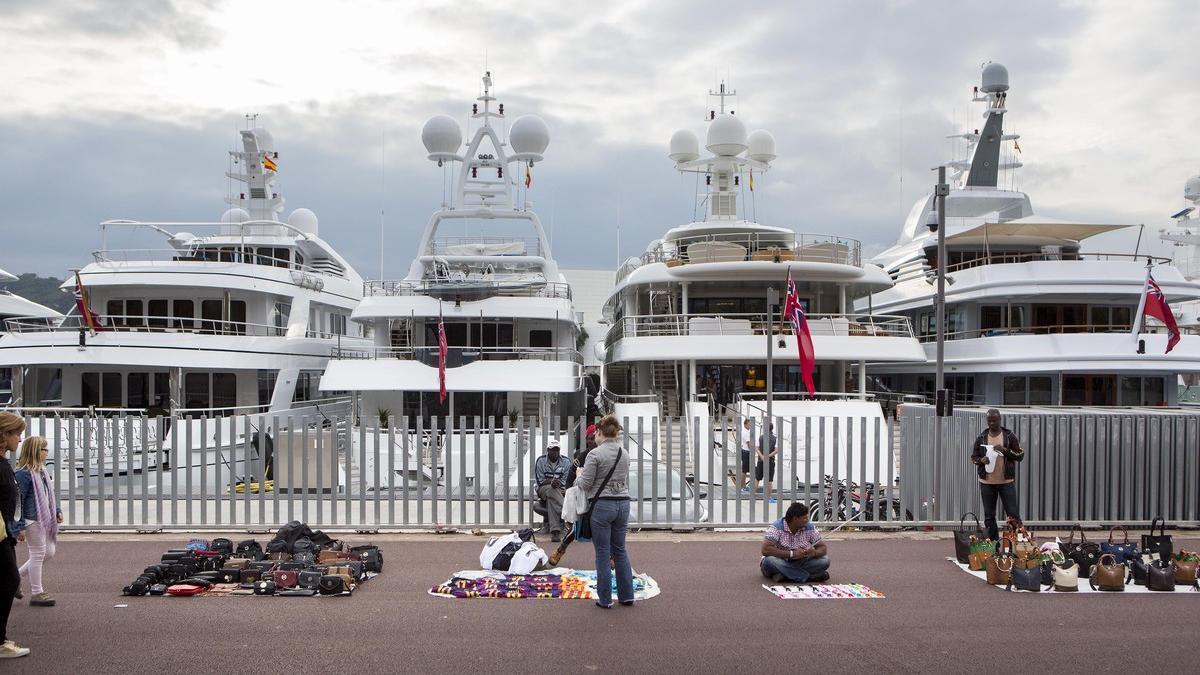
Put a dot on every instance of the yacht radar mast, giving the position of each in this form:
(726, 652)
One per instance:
(258, 165)
(983, 168)
(733, 153)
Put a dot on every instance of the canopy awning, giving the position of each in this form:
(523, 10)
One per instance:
(1037, 227)
(407, 375)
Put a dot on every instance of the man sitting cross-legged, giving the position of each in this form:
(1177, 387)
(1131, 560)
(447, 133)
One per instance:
(792, 549)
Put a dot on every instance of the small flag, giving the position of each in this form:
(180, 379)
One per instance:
(269, 164)
(794, 311)
(442, 349)
(85, 311)
(1157, 307)
(751, 180)
(1016, 146)
(528, 177)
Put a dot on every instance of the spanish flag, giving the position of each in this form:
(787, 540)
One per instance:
(528, 177)
(269, 164)
(1016, 146)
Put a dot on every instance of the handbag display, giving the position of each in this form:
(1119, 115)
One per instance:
(1123, 551)
(583, 525)
(1050, 560)
(1084, 553)
(309, 579)
(1023, 546)
(285, 578)
(982, 550)
(264, 588)
(1158, 543)
(1066, 577)
(1025, 579)
(1186, 565)
(1139, 568)
(1107, 574)
(963, 538)
(185, 590)
(1160, 576)
(1000, 566)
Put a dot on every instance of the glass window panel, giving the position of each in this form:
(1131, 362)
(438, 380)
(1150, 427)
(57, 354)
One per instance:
(210, 312)
(89, 390)
(266, 385)
(116, 312)
(162, 389)
(1039, 390)
(541, 338)
(1014, 391)
(1152, 391)
(1074, 390)
(158, 313)
(195, 391)
(1122, 317)
(224, 390)
(237, 315)
(184, 312)
(1131, 391)
(991, 316)
(138, 386)
(1100, 316)
(111, 388)
(134, 313)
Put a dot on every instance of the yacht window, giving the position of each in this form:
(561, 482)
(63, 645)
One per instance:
(237, 316)
(162, 387)
(280, 316)
(1014, 391)
(541, 338)
(116, 313)
(991, 317)
(1039, 390)
(89, 390)
(299, 258)
(210, 312)
(1152, 391)
(111, 390)
(185, 311)
(133, 313)
(1131, 391)
(281, 257)
(138, 386)
(158, 314)
(266, 386)
(196, 390)
(224, 390)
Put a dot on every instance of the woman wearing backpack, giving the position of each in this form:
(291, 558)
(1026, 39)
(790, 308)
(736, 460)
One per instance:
(11, 428)
(605, 478)
(40, 515)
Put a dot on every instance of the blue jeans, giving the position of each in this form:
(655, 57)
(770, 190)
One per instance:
(610, 523)
(1007, 493)
(794, 570)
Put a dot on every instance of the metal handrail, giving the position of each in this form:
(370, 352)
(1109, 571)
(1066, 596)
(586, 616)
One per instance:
(856, 325)
(120, 323)
(757, 246)
(429, 355)
(440, 246)
(1017, 258)
(207, 253)
(427, 287)
(1063, 329)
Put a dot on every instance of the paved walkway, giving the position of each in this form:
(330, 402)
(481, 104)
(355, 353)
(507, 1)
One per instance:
(712, 616)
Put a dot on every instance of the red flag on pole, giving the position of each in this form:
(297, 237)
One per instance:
(794, 311)
(86, 315)
(441, 360)
(1157, 307)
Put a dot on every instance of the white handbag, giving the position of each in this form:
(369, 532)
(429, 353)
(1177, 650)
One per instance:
(1066, 579)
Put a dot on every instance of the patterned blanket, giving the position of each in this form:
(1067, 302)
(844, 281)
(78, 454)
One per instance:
(562, 583)
(822, 591)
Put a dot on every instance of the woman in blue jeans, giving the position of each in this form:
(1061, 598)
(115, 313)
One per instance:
(605, 478)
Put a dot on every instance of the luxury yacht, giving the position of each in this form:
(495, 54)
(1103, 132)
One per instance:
(222, 319)
(1031, 318)
(690, 325)
(485, 278)
(14, 306)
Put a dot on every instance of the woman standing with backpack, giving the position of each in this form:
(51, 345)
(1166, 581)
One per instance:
(605, 481)
(40, 515)
(11, 428)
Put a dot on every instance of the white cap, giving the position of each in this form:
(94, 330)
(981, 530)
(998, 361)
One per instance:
(554, 443)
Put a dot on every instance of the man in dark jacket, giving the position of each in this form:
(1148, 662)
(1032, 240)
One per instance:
(995, 454)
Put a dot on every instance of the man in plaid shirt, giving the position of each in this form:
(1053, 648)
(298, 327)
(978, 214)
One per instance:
(792, 549)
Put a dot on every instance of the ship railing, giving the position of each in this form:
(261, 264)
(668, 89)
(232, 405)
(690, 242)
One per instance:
(844, 325)
(128, 323)
(306, 407)
(468, 287)
(1058, 329)
(154, 257)
(459, 356)
(751, 246)
(489, 246)
(1047, 256)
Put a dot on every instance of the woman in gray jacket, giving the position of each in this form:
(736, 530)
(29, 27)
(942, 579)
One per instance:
(610, 515)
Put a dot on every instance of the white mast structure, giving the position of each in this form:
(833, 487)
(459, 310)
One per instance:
(1185, 238)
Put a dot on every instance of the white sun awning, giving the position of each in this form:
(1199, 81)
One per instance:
(1037, 227)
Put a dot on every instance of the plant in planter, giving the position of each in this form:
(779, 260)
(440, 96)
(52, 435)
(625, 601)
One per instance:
(384, 415)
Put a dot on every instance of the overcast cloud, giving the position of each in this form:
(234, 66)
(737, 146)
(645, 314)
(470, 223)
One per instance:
(126, 109)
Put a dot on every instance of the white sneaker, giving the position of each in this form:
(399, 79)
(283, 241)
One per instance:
(10, 650)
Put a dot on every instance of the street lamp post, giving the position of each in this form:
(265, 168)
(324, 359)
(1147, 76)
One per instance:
(941, 396)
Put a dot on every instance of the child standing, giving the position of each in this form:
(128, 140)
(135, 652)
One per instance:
(40, 515)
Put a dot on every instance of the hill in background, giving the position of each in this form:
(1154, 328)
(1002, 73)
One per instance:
(42, 290)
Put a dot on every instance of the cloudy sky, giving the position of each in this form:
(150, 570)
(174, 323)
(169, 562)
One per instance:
(126, 109)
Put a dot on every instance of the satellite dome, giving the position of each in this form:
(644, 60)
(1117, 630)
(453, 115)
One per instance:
(304, 220)
(529, 135)
(995, 78)
(726, 136)
(266, 142)
(1191, 189)
(685, 146)
(181, 238)
(235, 215)
(441, 136)
(760, 146)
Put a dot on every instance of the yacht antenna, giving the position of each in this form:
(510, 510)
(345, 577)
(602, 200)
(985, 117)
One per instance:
(722, 93)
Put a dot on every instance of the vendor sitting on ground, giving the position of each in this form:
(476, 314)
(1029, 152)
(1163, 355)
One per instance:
(550, 478)
(792, 549)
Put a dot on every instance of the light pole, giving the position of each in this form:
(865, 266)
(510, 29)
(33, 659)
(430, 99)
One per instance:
(941, 396)
(765, 431)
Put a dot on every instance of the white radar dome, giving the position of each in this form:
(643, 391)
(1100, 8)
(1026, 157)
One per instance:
(266, 142)
(1191, 189)
(760, 146)
(995, 78)
(181, 238)
(529, 135)
(304, 220)
(441, 136)
(685, 146)
(726, 136)
(235, 215)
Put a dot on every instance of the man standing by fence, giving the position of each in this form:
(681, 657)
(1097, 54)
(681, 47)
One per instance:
(995, 454)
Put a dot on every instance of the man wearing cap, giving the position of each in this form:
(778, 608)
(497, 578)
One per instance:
(550, 479)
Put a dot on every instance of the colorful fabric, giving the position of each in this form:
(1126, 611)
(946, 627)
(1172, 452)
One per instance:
(779, 534)
(823, 592)
(560, 583)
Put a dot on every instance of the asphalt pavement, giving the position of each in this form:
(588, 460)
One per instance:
(712, 616)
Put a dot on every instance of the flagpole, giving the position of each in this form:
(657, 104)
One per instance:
(1137, 318)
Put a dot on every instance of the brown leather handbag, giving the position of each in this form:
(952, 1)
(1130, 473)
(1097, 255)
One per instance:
(1023, 545)
(1107, 574)
(1185, 571)
(999, 566)
(982, 550)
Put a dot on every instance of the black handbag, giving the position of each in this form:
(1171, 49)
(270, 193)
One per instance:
(1139, 570)
(1160, 576)
(1084, 553)
(962, 537)
(1160, 543)
(583, 526)
(1026, 579)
